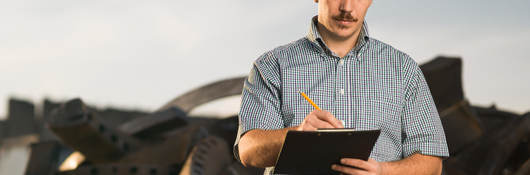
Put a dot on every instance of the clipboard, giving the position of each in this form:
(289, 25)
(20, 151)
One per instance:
(313, 152)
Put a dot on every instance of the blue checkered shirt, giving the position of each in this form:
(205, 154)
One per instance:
(375, 86)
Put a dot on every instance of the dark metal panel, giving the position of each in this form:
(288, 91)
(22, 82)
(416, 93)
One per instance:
(444, 77)
(21, 118)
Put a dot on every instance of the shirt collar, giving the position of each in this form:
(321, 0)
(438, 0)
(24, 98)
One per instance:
(316, 38)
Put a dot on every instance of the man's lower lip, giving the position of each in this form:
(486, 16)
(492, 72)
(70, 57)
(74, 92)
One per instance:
(344, 22)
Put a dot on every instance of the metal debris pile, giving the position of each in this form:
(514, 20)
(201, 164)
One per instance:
(76, 139)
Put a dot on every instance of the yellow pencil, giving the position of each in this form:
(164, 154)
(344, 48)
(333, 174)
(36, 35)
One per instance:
(310, 101)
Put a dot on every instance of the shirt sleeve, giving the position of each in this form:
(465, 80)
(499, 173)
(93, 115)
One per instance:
(260, 100)
(422, 129)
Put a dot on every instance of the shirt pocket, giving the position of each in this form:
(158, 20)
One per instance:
(380, 113)
(389, 110)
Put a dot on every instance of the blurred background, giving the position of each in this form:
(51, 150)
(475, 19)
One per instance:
(141, 54)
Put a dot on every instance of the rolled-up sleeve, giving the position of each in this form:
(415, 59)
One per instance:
(260, 100)
(421, 126)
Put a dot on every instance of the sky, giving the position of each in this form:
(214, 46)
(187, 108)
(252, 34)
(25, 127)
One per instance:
(141, 54)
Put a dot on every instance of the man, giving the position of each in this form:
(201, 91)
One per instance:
(353, 78)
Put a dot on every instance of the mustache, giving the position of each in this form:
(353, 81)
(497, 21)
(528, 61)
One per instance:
(345, 17)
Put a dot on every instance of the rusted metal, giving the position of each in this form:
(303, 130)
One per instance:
(77, 127)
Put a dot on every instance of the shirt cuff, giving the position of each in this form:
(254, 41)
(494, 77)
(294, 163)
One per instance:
(438, 149)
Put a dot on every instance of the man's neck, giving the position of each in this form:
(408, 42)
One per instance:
(338, 45)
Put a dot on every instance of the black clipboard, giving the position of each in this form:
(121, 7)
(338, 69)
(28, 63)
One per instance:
(313, 152)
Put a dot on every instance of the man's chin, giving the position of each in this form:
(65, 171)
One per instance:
(343, 34)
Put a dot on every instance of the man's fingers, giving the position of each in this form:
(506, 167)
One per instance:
(348, 170)
(328, 117)
(308, 128)
(320, 119)
(317, 123)
(357, 163)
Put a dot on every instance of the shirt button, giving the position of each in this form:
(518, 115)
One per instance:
(341, 62)
(341, 91)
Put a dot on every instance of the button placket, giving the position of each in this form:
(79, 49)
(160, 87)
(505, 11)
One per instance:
(340, 78)
(339, 89)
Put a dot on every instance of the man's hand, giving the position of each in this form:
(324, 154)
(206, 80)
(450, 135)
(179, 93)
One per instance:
(414, 164)
(319, 119)
(370, 167)
(260, 148)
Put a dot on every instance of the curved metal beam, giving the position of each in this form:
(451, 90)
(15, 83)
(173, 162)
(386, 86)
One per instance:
(185, 103)
(207, 93)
